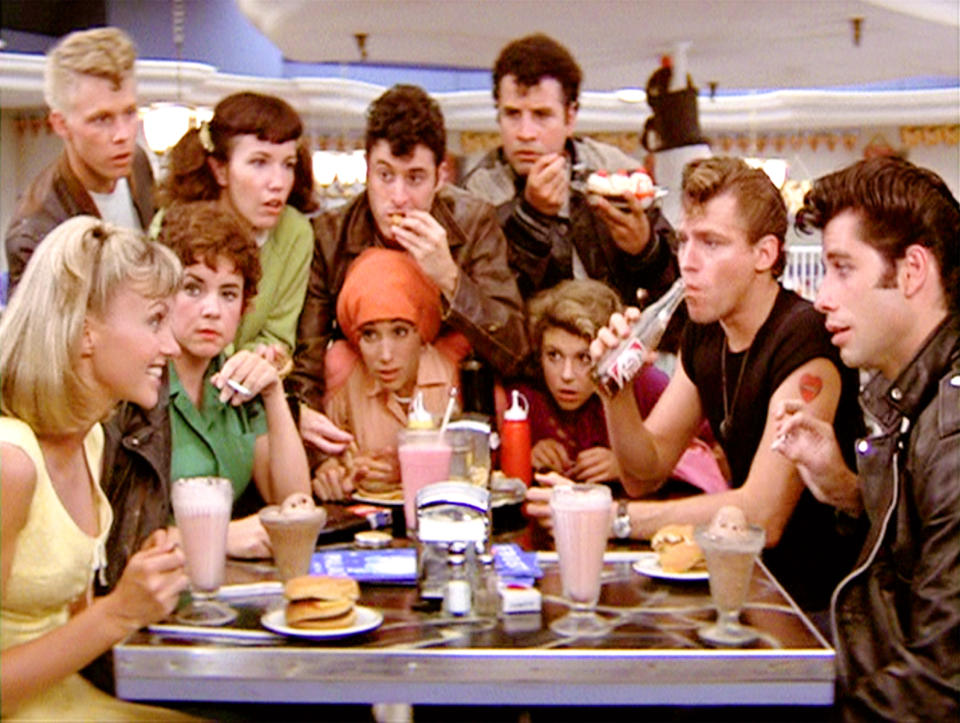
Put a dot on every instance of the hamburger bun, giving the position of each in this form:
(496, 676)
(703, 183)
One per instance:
(299, 611)
(682, 557)
(376, 486)
(341, 621)
(385, 494)
(321, 587)
(677, 549)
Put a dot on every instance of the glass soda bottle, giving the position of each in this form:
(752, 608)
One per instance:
(620, 365)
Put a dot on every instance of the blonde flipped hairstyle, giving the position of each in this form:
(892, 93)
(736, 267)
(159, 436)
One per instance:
(579, 306)
(106, 53)
(73, 274)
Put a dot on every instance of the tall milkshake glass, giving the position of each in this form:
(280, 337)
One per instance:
(581, 524)
(425, 456)
(201, 507)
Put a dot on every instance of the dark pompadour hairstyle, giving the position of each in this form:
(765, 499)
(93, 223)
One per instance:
(533, 57)
(899, 204)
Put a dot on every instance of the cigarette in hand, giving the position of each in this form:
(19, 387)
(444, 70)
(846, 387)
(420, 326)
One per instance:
(239, 388)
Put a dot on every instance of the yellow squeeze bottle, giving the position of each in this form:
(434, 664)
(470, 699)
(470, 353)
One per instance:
(419, 417)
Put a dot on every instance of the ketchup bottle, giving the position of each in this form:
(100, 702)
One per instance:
(515, 440)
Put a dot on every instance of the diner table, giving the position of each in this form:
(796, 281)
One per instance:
(421, 655)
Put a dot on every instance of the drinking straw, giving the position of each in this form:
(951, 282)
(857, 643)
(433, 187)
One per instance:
(449, 410)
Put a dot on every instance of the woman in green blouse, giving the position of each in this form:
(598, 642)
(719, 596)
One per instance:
(228, 414)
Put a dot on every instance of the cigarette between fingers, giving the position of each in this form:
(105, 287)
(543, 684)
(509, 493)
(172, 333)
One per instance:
(239, 388)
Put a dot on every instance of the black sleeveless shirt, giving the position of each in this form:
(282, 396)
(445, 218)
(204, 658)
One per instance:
(813, 553)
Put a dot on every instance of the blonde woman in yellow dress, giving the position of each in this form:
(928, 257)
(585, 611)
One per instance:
(86, 328)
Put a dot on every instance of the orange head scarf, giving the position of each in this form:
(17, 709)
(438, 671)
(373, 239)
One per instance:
(384, 284)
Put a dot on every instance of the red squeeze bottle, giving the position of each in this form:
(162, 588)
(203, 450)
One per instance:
(515, 440)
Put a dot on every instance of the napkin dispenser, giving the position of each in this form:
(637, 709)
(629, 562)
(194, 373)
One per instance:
(450, 515)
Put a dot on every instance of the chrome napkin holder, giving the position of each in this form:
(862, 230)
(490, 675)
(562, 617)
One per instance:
(451, 516)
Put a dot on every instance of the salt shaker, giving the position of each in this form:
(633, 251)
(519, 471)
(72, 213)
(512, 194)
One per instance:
(486, 595)
(457, 594)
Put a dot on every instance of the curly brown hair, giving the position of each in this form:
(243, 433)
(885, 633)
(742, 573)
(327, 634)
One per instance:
(534, 57)
(758, 200)
(268, 118)
(404, 117)
(898, 204)
(203, 231)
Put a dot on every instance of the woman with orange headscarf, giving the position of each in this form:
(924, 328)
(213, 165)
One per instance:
(390, 313)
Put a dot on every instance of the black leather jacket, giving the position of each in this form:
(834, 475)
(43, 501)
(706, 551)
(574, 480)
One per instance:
(896, 617)
(136, 478)
(540, 248)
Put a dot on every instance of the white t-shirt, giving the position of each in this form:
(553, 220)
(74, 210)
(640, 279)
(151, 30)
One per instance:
(117, 206)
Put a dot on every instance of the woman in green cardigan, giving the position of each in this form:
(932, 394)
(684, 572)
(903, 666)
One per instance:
(249, 158)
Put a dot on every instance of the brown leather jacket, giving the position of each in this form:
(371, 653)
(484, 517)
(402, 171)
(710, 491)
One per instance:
(55, 195)
(486, 307)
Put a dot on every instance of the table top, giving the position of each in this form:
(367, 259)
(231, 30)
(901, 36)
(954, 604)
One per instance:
(421, 655)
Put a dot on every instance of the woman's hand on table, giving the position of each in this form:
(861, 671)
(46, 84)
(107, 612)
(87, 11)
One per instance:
(331, 481)
(550, 454)
(597, 464)
(381, 466)
(538, 498)
(151, 583)
(246, 537)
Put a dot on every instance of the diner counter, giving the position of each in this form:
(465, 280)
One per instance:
(420, 655)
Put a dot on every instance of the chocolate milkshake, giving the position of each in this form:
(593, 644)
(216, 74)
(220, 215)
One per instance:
(730, 546)
(293, 527)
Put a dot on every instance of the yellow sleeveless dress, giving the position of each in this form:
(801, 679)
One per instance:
(53, 565)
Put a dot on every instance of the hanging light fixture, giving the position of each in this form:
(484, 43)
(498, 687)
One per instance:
(164, 123)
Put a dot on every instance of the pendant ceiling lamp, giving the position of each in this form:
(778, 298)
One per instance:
(164, 123)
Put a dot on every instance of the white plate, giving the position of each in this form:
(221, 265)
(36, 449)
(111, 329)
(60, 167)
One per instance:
(621, 203)
(360, 497)
(367, 619)
(648, 563)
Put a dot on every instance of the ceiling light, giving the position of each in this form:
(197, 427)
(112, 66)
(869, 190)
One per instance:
(631, 95)
(164, 124)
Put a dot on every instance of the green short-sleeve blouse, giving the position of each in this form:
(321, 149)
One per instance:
(217, 440)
